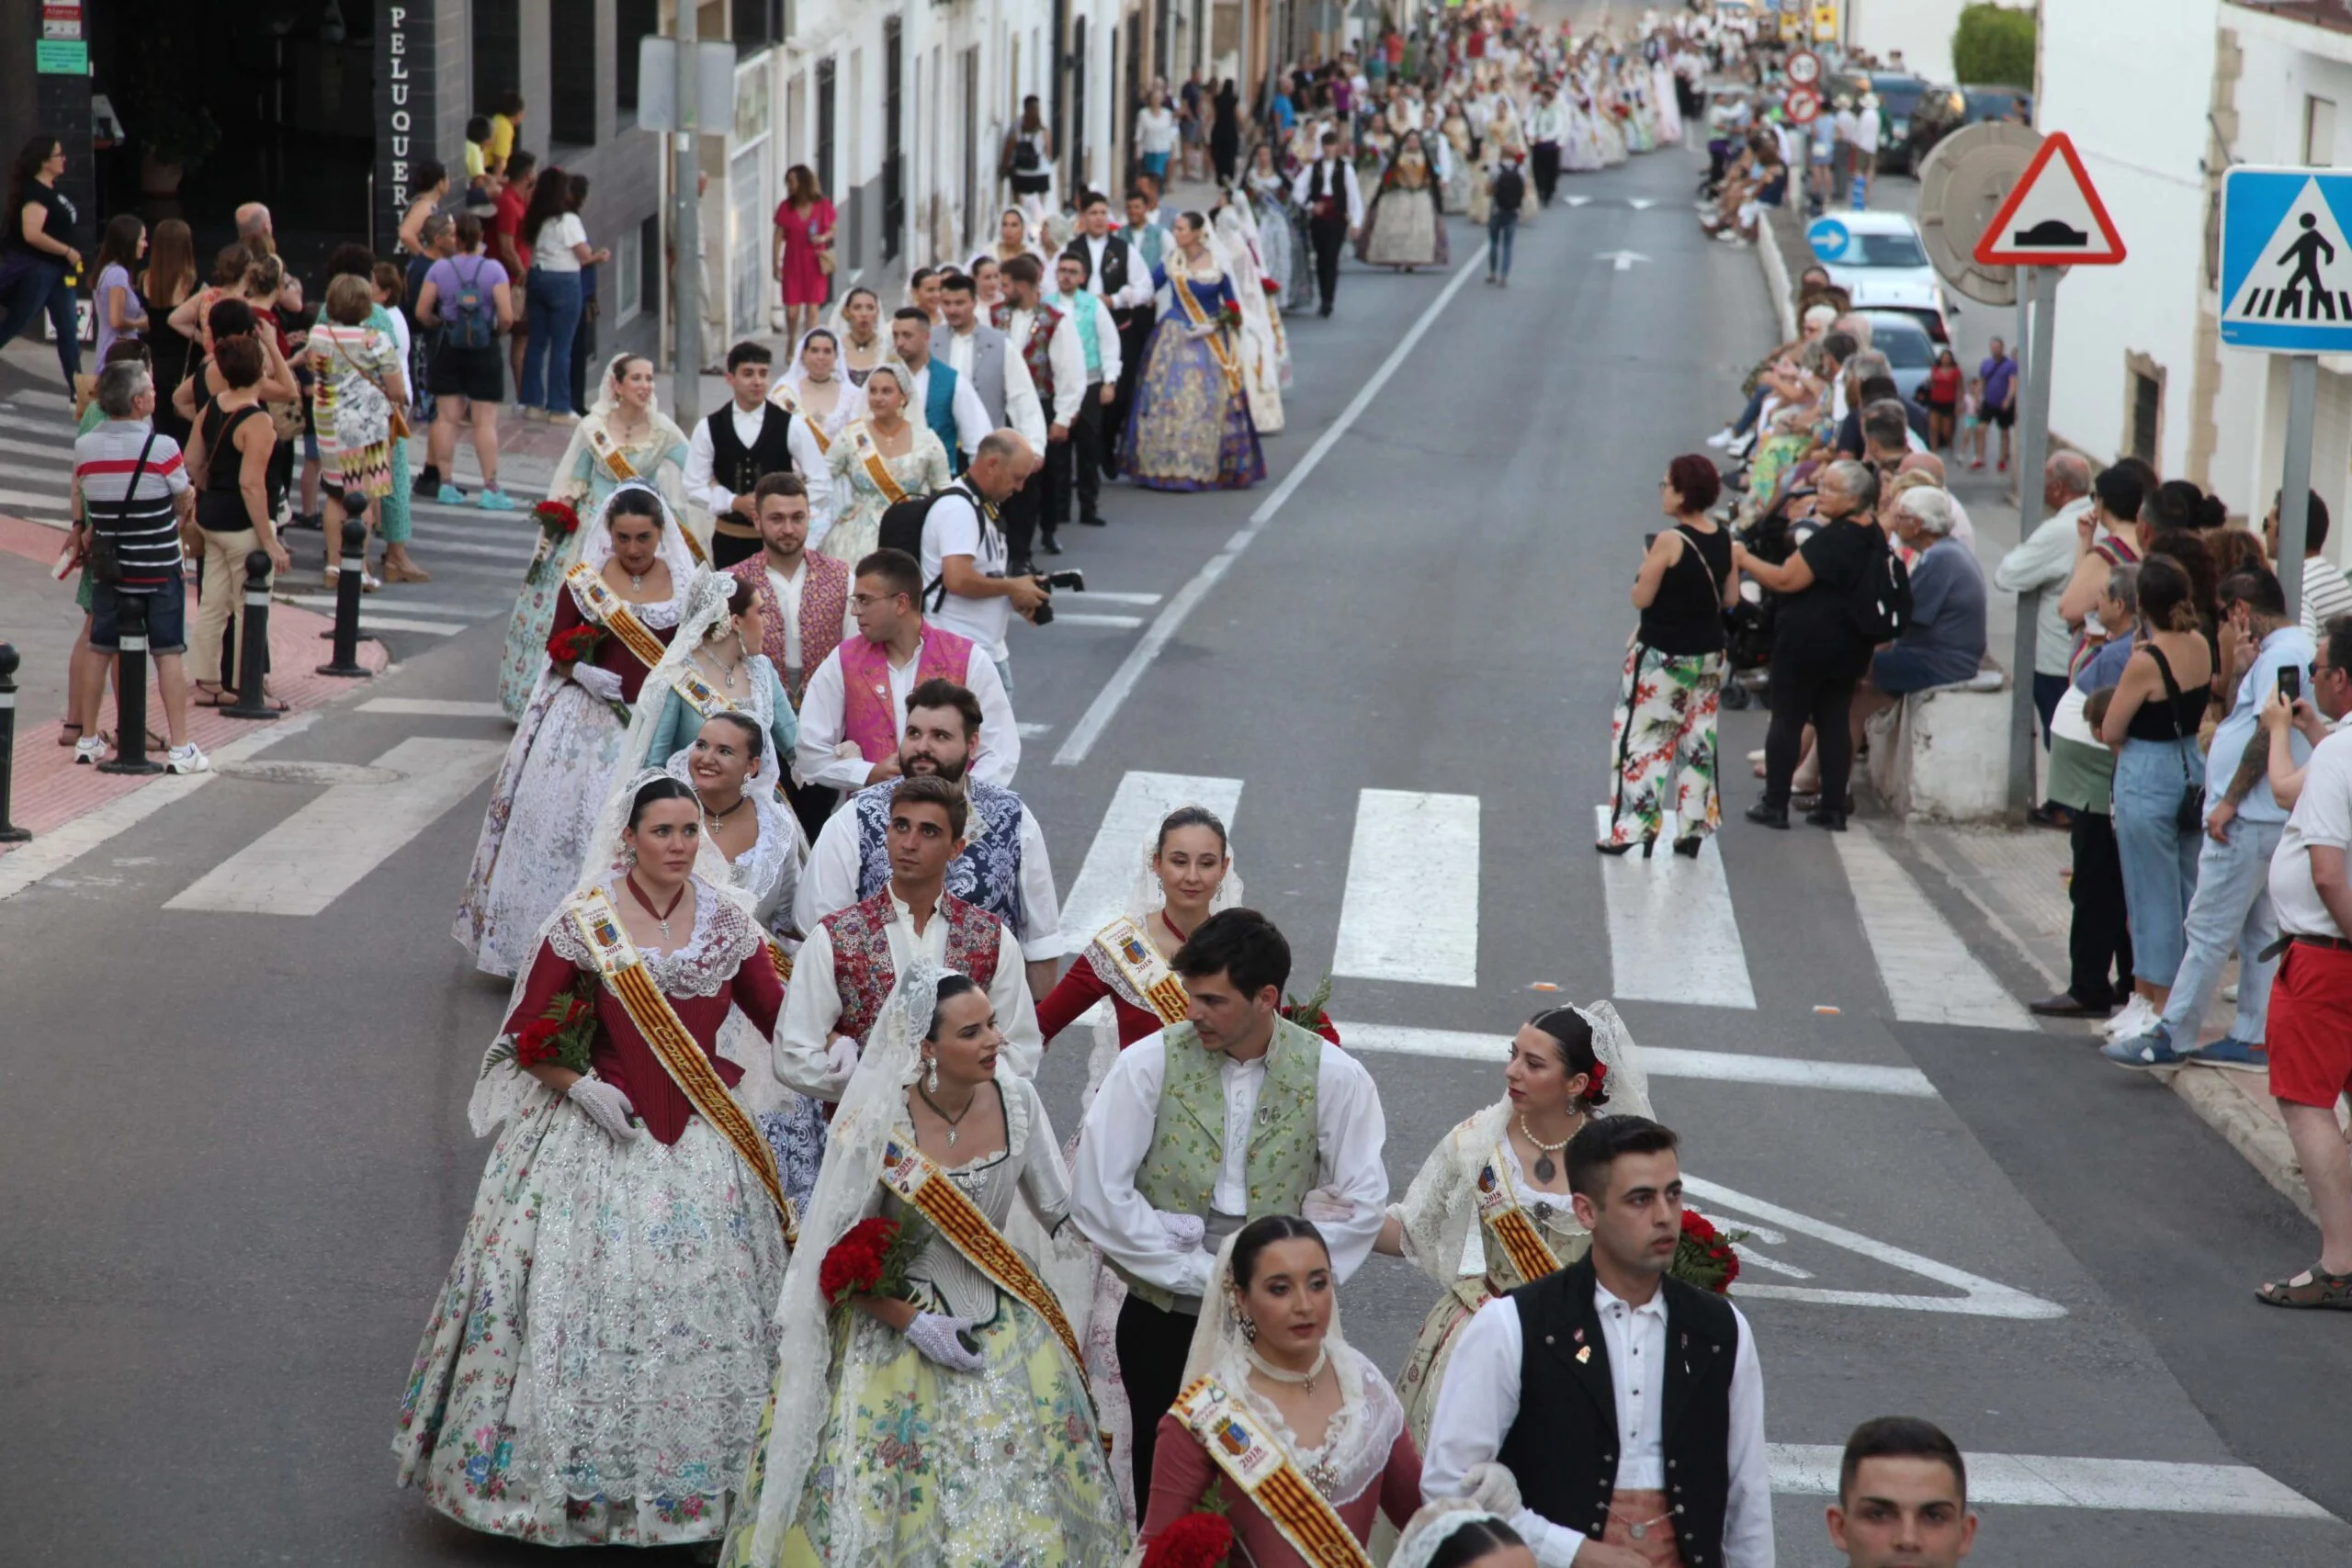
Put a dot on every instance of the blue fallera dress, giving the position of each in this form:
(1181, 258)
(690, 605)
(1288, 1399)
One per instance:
(1190, 427)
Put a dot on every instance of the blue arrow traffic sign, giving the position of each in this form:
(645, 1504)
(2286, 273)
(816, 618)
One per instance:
(2286, 264)
(1828, 238)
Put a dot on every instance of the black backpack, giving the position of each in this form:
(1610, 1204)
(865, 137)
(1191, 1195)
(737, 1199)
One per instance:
(902, 529)
(1510, 189)
(1879, 605)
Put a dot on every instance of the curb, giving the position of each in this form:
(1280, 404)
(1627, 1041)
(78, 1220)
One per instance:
(2261, 1139)
(1776, 278)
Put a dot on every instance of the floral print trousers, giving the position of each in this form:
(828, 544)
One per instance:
(1662, 745)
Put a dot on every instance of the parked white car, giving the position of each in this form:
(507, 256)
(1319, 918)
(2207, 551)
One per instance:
(1877, 258)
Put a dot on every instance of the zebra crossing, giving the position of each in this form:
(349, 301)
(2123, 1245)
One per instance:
(37, 456)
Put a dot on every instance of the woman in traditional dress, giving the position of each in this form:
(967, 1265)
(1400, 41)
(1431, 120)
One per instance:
(623, 600)
(1455, 128)
(880, 458)
(719, 670)
(1404, 227)
(1262, 351)
(1581, 148)
(1012, 237)
(1190, 427)
(987, 282)
(814, 386)
(596, 1367)
(625, 438)
(864, 344)
(1267, 192)
(1268, 1359)
(1502, 1175)
(949, 1425)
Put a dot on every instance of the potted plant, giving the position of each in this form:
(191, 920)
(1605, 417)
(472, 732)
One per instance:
(175, 131)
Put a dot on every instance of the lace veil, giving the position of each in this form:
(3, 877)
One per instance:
(1144, 896)
(597, 548)
(1492, 1499)
(608, 397)
(870, 1108)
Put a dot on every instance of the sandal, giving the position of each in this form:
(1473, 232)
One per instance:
(214, 697)
(2320, 1289)
(68, 733)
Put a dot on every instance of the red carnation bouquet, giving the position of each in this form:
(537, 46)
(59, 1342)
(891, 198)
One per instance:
(1228, 315)
(872, 1260)
(1706, 1256)
(1196, 1540)
(575, 645)
(557, 522)
(558, 1037)
(1313, 1013)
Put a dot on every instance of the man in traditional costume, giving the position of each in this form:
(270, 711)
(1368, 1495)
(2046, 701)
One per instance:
(1234, 1113)
(1667, 1470)
(1099, 339)
(1003, 867)
(736, 446)
(1117, 274)
(1046, 342)
(804, 608)
(946, 401)
(855, 707)
(1326, 190)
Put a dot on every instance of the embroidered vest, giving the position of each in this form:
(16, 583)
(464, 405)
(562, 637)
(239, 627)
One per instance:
(1083, 306)
(870, 718)
(824, 600)
(1036, 349)
(988, 874)
(939, 411)
(862, 968)
(1179, 1173)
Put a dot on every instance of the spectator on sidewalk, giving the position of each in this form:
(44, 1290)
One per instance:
(470, 299)
(228, 464)
(1998, 409)
(2231, 908)
(131, 489)
(1902, 1497)
(2105, 536)
(2082, 780)
(2311, 1012)
(2326, 593)
(510, 245)
(2042, 563)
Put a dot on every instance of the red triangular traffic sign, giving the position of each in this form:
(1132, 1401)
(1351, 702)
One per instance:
(2054, 216)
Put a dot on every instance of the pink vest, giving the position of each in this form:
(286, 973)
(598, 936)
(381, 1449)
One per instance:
(869, 720)
(824, 596)
(861, 971)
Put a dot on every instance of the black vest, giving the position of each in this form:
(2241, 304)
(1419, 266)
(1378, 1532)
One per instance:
(1562, 1445)
(738, 467)
(1115, 253)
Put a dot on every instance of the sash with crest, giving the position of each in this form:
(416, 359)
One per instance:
(876, 469)
(1528, 1252)
(609, 610)
(1127, 947)
(782, 397)
(626, 976)
(1254, 1459)
(1182, 289)
(700, 694)
(924, 1188)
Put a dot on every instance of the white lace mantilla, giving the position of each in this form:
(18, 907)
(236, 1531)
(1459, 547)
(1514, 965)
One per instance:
(654, 615)
(723, 937)
(1362, 1432)
(991, 1181)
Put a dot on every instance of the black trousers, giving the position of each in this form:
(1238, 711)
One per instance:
(1547, 171)
(726, 550)
(1328, 237)
(1085, 454)
(2099, 939)
(1152, 1347)
(1031, 507)
(1114, 427)
(812, 804)
(1821, 695)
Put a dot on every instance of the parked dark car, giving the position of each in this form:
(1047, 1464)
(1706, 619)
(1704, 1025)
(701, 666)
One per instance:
(1942, 110)
(1898, 96)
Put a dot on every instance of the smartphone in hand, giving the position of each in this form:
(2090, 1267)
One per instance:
(2290, 682)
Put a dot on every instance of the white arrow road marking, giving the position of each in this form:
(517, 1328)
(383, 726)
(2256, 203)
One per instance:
(1980, 1297)
(1672, 904)
(1641, 203)
(1622, 260)
(1658, 1061)
(1576, 200)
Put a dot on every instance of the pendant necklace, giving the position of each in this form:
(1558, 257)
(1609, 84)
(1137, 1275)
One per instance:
(717, 816)
(1305, 1380)
(661, 917)
(1545, 1168)
(637, 582)
(953, 1122)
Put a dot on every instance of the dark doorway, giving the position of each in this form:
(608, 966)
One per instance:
(1077, 122)
(894, 161)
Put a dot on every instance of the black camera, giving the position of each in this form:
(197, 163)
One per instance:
(1043, 615)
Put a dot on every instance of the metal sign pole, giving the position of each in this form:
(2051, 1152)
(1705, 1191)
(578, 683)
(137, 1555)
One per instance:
(685, 263)
(2039, 286)
(2295, 488)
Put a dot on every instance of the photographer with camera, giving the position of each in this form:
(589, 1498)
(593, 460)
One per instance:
(963, 550)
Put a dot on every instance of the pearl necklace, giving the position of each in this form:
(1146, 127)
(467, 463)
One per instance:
(1545, 1168)
(1305, 1380)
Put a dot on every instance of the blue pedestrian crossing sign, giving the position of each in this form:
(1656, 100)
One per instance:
(2286, 264)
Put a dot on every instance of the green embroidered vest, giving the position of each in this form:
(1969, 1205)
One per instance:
(1179, 1173)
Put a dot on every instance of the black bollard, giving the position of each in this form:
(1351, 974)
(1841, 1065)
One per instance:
(254, 655)
(346, 601)
(9, 834)
(131, 688)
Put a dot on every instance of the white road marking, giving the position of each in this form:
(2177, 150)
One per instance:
(63, 430)
(1032, 731)
(1619, 261)
(319, 853)
(431, 707)
(1641, 203)
(1670, 905)
(2133, 1485)
(1080, 619)
(1115, 692)
(54, 505)
(371, 623)
(405, 605)
(1576, 200)
(1111, 596)
(42, 400)
(1113, 860)
(1411, 912)
(60, 846)
(61, 453)
(515, 550)
(1931, 975)
(1660, 1061)
(1980, 1297)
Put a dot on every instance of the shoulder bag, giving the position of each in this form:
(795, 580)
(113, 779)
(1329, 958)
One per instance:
(104, 558)
(397, 423)
(2189, 816)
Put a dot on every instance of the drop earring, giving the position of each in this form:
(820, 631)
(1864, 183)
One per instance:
(931, 1085)
(1250, 1329)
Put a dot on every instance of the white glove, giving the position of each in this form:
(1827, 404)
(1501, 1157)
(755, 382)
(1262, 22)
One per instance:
(842, 1056)
(1186, 1231)
(1325, 1206)
(598, 681)
(934, 1335)
(604, 1105)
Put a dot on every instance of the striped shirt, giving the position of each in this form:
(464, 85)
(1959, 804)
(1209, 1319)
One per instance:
(146, 532)
(2326, 594)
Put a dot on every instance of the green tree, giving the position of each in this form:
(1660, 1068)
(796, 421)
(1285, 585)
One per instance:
(1993, 43)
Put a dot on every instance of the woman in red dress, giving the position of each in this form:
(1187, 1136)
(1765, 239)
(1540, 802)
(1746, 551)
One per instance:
(804, 249)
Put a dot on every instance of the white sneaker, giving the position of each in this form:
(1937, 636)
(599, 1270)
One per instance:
(88, 750)
(2136, 1019)
(1723, 438)
(187, 758)
(2230, 992)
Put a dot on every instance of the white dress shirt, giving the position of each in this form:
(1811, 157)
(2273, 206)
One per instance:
(1138, 289)
(1106, 338)
(1062, 352)
(969, 414)
(1022, 410)
(829, 880)
(1547, 122)
(787, 602)
(816, 760)
(956, 527)
(715, 498)
(812, 1003)
(1301, 188)
(1348, 1132)
(1479, 1401)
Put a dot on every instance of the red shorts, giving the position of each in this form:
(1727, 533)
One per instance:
(2311, 1026)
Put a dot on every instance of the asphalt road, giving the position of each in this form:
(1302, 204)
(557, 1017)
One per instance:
(235, 1147)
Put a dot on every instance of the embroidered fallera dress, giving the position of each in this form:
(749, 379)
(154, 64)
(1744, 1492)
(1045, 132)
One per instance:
(1190, 428)
(859, 500)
